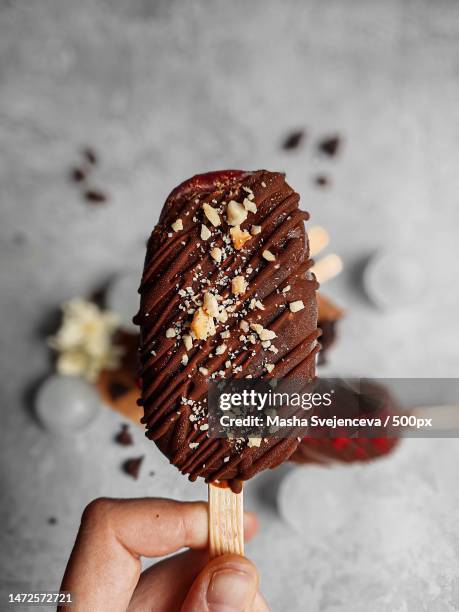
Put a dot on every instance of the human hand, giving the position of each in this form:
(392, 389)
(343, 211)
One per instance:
(104, 569)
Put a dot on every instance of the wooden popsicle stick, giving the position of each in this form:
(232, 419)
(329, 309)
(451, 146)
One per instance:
(226, 521)
(318, 239)
(327, 268)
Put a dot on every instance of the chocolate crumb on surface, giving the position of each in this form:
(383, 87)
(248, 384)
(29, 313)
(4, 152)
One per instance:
(131, 467)
(124, 436)
(90, 155)
(330, 146)
(322, 180)
(95, 196)
(77, 175)
(293, 140)
(52, 520)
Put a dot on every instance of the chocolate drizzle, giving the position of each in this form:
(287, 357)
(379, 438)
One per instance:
(178, 270)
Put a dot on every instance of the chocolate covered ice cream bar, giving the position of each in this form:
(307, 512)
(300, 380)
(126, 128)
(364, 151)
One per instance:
(226, 292)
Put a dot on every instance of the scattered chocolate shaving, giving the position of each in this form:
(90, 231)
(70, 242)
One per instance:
(124, 436)
(293, 140)
(52, 520)
(117, 389)
(330, 145)
(90, 155)
(131, 467)
(95, 196)
(321, 180)
(78, 175)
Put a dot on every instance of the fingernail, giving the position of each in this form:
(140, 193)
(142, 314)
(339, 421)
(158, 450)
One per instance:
(228, 591)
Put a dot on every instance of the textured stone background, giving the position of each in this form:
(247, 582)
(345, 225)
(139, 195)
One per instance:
(164, 89)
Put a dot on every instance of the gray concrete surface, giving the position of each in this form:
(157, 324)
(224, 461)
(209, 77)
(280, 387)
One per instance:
(166, 89)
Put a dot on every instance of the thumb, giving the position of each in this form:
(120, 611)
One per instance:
(227, 584)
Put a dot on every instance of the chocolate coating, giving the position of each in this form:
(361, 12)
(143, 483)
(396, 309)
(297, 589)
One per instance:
(178, 270)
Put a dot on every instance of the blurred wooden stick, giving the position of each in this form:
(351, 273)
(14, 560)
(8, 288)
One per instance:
(327, 268)
(318, 239)
(226, 521)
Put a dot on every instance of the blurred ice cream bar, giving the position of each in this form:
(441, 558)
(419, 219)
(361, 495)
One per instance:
(375, 401)
(329, 315)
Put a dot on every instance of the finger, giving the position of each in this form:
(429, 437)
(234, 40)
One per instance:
(227, 584)
(167, 582)
(260, 605)
(104, 566)
(179, 570)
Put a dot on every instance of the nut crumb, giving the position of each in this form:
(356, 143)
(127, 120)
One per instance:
(216, 254)
(239, 237)
(221, 348)
(188, 342)
(268, 255)
(296, 306)
(202, 324)
(236, 213)
(177, 225)
(210, 304)
(249, 205)
(212, 215)
(238, 285)
(205, 232)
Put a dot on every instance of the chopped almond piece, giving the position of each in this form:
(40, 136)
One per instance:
(296, 306)
(188, 342)
(267, 334)
(210, 304)
(257, 327)
(238, 285)
(254, 442)
(177, 225)
(170, 333)
(222, 316)
(270, 367)
(268, 255)
(221, 348)
(212, 215)
(236, 213)
(216, 254)
(202, 324)
(205, 232)
(244, 326)
(239, 237)
(255, 229)
(249, 205)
